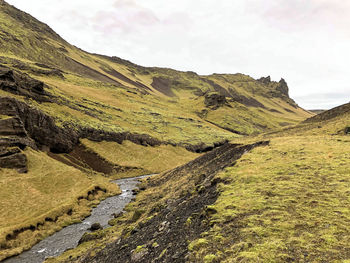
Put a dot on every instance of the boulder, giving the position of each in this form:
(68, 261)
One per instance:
(95, 227)
(347, 130)
(90, 236)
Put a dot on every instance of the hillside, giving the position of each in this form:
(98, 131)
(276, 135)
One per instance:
(284, 200)
(149, 99)
(70, 121)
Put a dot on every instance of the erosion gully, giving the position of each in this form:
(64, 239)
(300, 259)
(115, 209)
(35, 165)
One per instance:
(68, 237)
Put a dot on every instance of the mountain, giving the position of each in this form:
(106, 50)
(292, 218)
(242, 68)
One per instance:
(157, 95)
(71, 120)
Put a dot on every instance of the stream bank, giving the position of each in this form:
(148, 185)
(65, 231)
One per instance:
(69, 236)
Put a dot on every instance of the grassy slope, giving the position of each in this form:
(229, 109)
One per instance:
(285, 202)
(275, 112)
(49, 190)
(147, 159)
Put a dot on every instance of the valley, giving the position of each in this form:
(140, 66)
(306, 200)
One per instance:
(242, 173)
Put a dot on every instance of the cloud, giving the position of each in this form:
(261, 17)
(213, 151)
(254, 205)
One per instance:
(300, 15)
(128, 16)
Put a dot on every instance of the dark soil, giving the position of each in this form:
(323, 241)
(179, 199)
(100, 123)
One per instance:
(90, 159)
(250, 102)
(163, 85)
(226, 128)
(87, 71)
(84, 159)
(122, 77)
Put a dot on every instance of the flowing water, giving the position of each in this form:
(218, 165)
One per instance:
(69, 236)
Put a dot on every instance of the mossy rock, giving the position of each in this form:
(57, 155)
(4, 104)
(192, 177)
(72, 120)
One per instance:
(136, 216)
(347, 130)
(91, 236)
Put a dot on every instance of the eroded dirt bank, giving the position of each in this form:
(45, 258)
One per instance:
(170, 220)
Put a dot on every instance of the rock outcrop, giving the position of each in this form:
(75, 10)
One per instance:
(13, 138)
(12, 126)
(265, 80)
(22, 84)
(283, 87)
(214, 100)
(40, 126)
(13, 158)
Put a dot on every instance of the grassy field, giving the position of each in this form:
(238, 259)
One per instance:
(147, 160)
(30, 203)
(285, 202)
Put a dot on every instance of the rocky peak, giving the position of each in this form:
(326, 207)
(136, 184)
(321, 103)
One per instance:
(265, 80)
(283, 87)
(280, 86)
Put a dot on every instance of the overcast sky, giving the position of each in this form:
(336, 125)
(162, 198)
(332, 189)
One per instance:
(306, 42)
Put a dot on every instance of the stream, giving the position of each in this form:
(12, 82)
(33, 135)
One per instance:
(69, 236)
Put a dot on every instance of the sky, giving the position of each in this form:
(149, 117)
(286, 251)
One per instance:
(306, 42)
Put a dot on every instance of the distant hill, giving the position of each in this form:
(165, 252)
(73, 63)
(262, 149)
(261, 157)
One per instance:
(317, 111)
(331, 114)
(335, 121)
